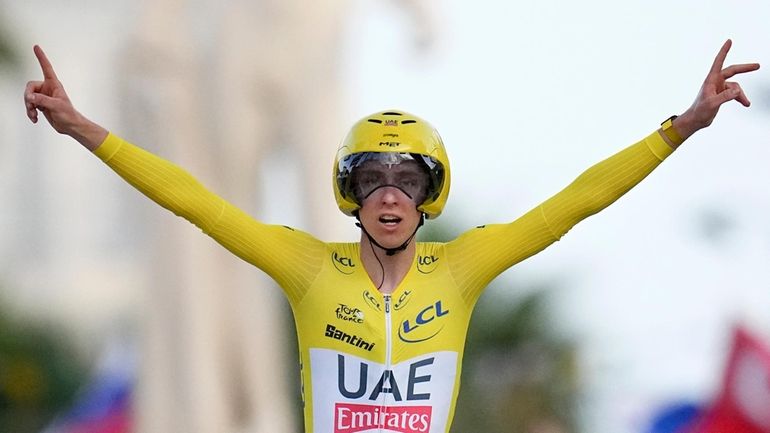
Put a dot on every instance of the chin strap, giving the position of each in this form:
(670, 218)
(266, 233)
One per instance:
(390, 251)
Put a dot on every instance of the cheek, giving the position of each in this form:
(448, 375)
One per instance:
(413, 217)
(366, 212)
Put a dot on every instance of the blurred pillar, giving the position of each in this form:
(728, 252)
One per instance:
(182, 384)
(216, 358)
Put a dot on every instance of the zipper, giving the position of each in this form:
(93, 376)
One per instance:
(388, 349)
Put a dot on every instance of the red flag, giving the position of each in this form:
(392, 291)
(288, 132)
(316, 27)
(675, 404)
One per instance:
(743, 405)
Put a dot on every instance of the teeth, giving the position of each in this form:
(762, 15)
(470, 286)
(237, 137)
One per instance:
(389, 219)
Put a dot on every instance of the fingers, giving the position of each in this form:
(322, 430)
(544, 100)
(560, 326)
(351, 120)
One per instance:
(32, 88)
(45, 65)
(34, 100)
(716, 67)
(43, 102)
(732, 70)
(736, 90)
(731, 91)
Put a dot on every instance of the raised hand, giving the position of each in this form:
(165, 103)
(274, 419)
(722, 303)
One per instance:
(49, 97)
(714, 92)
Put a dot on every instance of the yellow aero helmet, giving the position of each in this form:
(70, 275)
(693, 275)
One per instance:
(399, 133)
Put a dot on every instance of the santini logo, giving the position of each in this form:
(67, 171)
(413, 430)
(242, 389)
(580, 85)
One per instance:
(353, 340)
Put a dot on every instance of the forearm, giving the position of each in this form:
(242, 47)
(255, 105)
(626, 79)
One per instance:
(289, 256)
(163, 182)
(604, 183)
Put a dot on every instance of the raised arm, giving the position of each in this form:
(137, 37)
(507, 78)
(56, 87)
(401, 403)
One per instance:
(271, 248)
(607, 181)
(714, 92)
(481, 254)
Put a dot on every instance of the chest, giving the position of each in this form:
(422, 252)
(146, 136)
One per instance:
(345, 311)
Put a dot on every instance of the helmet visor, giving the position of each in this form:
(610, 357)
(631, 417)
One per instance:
(363, 173)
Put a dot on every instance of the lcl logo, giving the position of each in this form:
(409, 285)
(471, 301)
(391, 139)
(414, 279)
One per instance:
(343, 264)
(427, 264)
(371, 300)
(422, 326)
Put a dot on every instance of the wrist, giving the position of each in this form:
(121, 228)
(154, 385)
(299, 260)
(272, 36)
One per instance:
(676, 129)
(88, 133)
(669, 134)
(685, 125)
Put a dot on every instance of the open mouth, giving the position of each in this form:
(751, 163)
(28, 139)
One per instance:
(390, 220)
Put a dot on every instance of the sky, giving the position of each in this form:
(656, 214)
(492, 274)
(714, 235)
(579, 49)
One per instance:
(526, 96)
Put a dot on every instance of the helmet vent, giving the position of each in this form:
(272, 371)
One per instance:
(391, 113)
(404, 122)
(375, 120)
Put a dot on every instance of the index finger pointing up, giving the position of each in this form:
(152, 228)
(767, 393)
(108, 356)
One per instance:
(48, 72)
(719, 61)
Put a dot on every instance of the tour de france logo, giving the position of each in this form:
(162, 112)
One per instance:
(349, 314)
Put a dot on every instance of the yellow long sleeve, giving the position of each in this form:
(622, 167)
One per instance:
(291, 257)
(481, 254)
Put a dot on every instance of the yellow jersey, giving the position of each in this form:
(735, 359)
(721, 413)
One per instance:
(372, 362)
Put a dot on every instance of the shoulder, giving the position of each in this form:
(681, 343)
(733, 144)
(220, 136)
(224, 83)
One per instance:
(345, 256)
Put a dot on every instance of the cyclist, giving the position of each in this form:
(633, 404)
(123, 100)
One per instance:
(382, 322)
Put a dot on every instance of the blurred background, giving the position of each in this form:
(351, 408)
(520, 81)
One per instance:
(117, 316)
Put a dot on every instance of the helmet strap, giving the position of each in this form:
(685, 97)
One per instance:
(389, 251)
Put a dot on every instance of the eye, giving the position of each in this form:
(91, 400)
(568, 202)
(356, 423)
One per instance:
(410, 181)
(365, 181)
(368, 179)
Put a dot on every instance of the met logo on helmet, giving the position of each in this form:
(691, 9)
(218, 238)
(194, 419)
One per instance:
(420, 328)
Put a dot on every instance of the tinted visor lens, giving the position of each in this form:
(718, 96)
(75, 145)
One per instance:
(362, 174)
(410, 180)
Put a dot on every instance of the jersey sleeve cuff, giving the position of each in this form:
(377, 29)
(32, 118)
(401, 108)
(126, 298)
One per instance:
(109, 147)
(658, 146)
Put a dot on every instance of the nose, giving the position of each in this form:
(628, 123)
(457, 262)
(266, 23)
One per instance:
(390, 195)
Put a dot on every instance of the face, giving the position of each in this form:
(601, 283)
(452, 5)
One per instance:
(407, 176)
(389, 196)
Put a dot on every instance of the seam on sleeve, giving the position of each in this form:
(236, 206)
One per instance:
(112, 152)
(219, 217)
(653, 142)
(547, 224)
